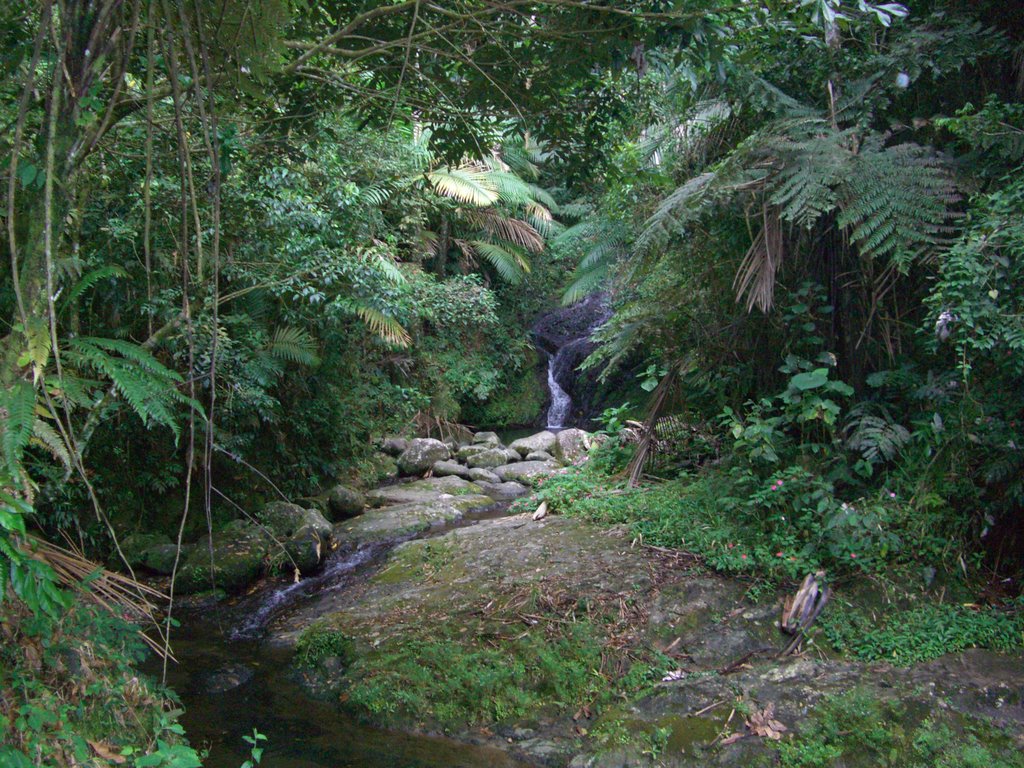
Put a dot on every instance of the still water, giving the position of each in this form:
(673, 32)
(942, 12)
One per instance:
(301, 732)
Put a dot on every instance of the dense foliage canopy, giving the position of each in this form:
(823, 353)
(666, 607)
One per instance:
(244, 240)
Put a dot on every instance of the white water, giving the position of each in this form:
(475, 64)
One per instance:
(560, 401)
(331, 577)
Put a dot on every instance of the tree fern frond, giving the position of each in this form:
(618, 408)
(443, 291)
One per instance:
(129, 350)
(585, 282)
(511, 189)
(510, 229)
(295, 345)
(671, 212)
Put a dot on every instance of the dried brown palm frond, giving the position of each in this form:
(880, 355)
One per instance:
(114, 592)
(755, 278)
(648, 434)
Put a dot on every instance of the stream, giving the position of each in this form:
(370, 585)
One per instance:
(234, 672)
(245, 636)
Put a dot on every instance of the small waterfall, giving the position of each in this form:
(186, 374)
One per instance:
(560, 401)
(563, 335)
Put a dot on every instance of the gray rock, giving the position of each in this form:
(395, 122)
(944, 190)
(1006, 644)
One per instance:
(136, 545)
(343, 502)
(305, 550)
(422, 491)
(394, 446)
(489, 439)
(571, 445)
(470, 450)
(446, 468)
(542, 441)
(227, 678)
(160, 559)
(396, 521)
(421, 455)
(238, 557)
(481, 475)
(526, 470)
(494, 457)
(285, 520)
(512, 456)
(504, 491)
(539, 456)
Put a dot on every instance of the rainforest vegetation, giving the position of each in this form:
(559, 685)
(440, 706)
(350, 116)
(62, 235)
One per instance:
(244, 241)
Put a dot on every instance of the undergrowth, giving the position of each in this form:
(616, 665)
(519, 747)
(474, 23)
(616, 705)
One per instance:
(857, 728)
(70, 694)
(791, 526)
(922, 632)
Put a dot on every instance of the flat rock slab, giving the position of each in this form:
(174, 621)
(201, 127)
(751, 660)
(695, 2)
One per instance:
(422, 491)
(526, 471)
(396, 521)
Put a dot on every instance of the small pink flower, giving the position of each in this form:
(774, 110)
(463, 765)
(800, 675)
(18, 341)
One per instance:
(853, 555)
(779, 554)
(780, 483)
(892, 495)
(743, 557)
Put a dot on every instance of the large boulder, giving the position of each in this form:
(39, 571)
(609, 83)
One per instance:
(135, 546)
(238, 557)
(539, 456)
(305, 550)
(153, 551)
(344, 502)
(542, 441)
(394, 446)
(490, 439)
(284, 520)
(421, 455)
(471, 450)
(493, 457)
(571, 445)
(526, 471)
(482, 475)
(446, 468)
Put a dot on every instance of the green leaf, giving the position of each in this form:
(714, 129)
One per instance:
(810, 380)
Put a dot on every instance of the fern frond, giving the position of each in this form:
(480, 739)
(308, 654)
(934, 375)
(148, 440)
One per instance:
(510, 229)
(673, 209)
(585, 282)
(17, 415)
(295, 345)
(46, 436)
(90, 279)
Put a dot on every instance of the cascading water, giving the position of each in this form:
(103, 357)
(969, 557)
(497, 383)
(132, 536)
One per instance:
(564, 337)
(560, 401)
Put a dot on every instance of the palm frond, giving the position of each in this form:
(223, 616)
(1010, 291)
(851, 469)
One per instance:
(510, 265)
(510, 229)
(470, 184)
(295, 345)
(383, 325)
